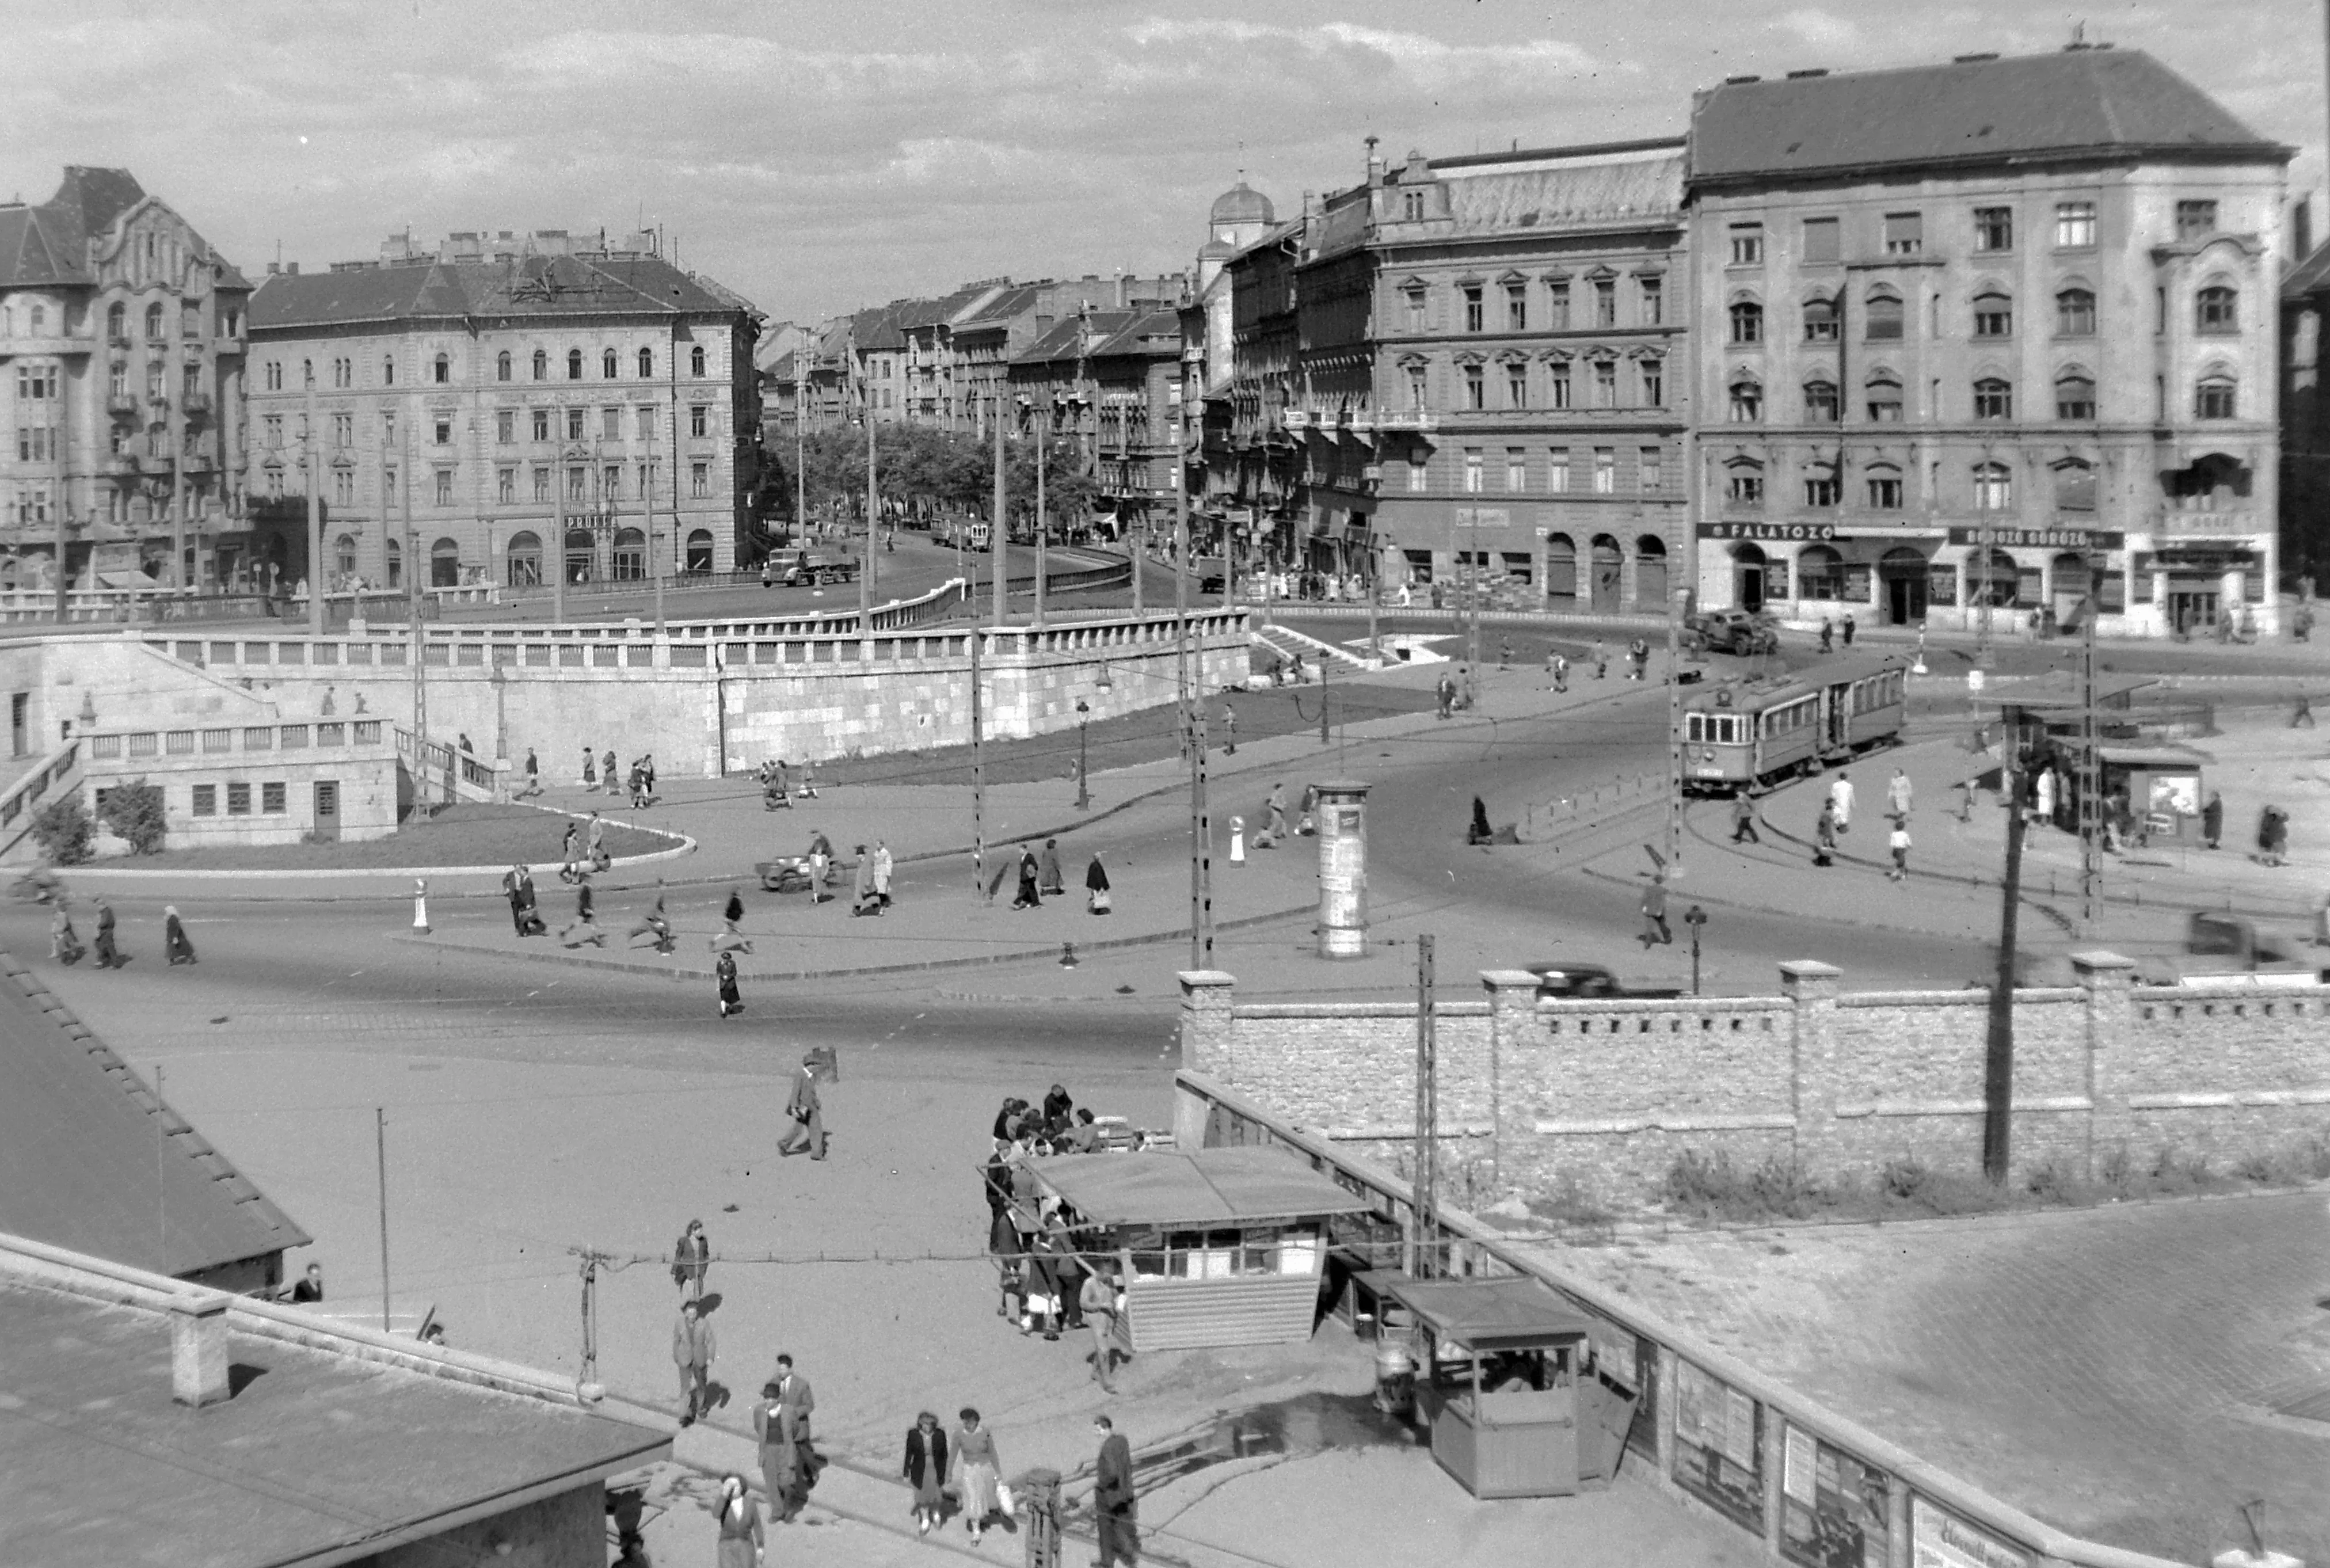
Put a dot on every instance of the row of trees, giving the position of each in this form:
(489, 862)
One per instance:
(923, 472)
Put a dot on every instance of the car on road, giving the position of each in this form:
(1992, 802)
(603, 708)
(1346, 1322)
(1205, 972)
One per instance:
(818, 567)
(1728, 631)
(1564, 981)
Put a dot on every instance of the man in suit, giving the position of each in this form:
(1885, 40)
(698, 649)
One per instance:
(807, 1133)
(795, 1403)
(691, 1260)
(1113, 1506)
(692, 1350)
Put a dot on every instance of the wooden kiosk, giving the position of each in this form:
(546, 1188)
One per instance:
(1507, 1385)
(1213, 1245)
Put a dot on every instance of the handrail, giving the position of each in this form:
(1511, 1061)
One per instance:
(15, 817)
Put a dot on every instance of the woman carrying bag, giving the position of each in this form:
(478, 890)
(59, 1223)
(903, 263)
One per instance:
(978, 1474)
(925, 1470)
(1096, 899)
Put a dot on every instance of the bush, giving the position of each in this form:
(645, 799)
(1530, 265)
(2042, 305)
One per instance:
(134, 812)
(62, 828)
(1905, 1178)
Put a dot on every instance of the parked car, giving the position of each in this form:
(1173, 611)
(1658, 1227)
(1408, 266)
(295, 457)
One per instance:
(1567, 982)
(2227, 950)
(1730, 632)
(819, 567)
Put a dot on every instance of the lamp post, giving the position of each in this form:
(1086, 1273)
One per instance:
(1694, 917)
(1084, 792)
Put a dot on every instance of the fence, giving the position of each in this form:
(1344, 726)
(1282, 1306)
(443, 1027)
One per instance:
(1809, 1483)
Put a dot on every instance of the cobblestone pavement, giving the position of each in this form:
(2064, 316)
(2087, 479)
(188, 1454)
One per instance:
(2113, 1372)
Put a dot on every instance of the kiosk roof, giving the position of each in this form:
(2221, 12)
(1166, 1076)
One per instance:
(1507, 1314)
(1193, 1187)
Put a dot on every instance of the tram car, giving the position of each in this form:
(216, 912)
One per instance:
(1752, 736)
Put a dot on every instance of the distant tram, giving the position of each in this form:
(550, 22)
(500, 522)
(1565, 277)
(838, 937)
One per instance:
(1742, 736)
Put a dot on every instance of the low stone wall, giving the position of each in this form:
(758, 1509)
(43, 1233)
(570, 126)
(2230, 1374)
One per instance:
(1604, 1096)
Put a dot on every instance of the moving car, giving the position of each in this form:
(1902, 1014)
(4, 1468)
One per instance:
(2227, 950)
(1728, 631)
(1569, 982)
(819, 568)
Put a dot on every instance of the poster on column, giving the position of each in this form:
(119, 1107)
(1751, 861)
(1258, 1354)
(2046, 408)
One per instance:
(1940, 1539)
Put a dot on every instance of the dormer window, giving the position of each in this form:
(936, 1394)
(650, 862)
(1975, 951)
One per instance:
(1411, 207)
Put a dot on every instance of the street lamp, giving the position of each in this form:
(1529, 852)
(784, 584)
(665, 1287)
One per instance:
(1084, 794)
(1694, 917)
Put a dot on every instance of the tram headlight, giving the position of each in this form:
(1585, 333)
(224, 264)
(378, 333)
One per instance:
(1707, 755)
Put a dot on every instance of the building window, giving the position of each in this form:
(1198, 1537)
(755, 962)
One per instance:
(695, 361)
(505, 426)
(1605, 470)
(506, 486)
(2214, 399)
(271, 431)
(611, 483)
(1994, 316)
(206, 800)
(153, 322)
(1606, 301)
(1884, 400)
(2075, 313)
(442, 371)
(1516, 385)
(1821, 488)
(1418, 472)
(578, 482)
(1557, 304)
(1993, 487)
(1746, 322)
(646, 364)
(388, 370)
(1651, 373)
(574, 365)
(444, 487)
(1650, 469)
(1411, 207)
(237, 800)
(1994, 228)
(1654, 300)
(541, 366)
(1744, 484)
(1516, 468)
(1475, 388)
(2075, 397)
(1413, 299)
(1746, 244)
(273, 798)
(1605, 384)
(699, 418)
(2075, 225)
(1820, 402)
(541, 423)
(541, 484)
(1557, 473)
(1820, 320)
(2216, 309)
(388, 492)
(1416, 386)
(1473, 318)
(1884, 490)
(1905, 234)
(1821, 241)
(1472, 461)
(646, 421)
(2075, 485)
(344, 487)
(1556, 383)
(575, 424)
(444, 429)
(1994, 399)
(1747, 403)
(274, 377)
(700, 480)
(610, 365)
(2194, 219)
(1883, 313)
(502, 365)
(610, 424)
(1516, 308)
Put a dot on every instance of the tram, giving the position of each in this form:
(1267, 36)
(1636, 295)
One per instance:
(1745, 736)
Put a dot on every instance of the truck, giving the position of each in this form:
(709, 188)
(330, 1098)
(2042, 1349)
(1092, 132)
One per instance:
(819, 568)
(2222, 949)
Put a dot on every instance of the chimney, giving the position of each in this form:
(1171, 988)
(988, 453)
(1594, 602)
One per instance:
(198, 1350)
(1375, 164)
(290, 269)
(2301, 229)
(274, 269)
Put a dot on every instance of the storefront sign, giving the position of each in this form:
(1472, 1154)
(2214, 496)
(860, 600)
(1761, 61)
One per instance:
(1943, 1539)
(2042, 539)
(1484, 517)
(1782, 531)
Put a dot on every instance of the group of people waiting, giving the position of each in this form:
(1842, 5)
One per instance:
(1049, 1284)
(780, 788)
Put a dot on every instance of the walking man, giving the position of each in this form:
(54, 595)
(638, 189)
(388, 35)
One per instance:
(654, 922)
(691, 1260)
(795, 1404)
(108, 955)
(883, 865)
(1824, 835)
(1655, 931)
(1560, 669)
(1446, 693)
(532, 772)
(1828, 635)
(1277, 811)
(1601, 660)
(1840, 799)
(1229, 730)
(1848, 628)
(807, 1133)
(594, 840)
(584, 926)
(1743, 820)
(1096, 1301)
(1113, 1504)
(1899, 842)
(692, 1349)
(2213, 820)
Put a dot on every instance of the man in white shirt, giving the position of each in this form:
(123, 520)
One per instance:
(1840, 799)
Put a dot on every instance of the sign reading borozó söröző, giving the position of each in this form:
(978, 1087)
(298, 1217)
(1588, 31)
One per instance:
(2042, 539)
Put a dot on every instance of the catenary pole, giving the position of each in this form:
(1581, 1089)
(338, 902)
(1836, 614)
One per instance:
(380, 1145)
(315, 515)
(1427, 1119)
(1998, 1056)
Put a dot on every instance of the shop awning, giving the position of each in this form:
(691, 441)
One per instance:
(2157, 757)
(1511, 1314)
(1202, 1187)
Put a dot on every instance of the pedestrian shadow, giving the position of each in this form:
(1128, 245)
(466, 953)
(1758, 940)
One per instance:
(708, 1303)
(715, 1394)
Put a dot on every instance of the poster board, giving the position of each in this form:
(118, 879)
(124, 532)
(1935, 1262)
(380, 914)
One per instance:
(1835, 1509)
(1719, 1444)
(1940, 1539)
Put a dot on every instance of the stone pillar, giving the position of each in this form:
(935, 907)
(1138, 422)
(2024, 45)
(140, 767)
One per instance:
(1811, 988)
(1207, 998)
(2109, 980)
(1512, 1040)
(198, 1364)
(1343, 820)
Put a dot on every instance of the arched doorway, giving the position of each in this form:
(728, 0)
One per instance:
(524, 559)
(630, 556)
(1560, 572)
(444, 564)
(1820, 573)
(699, 550)
(2068, 584)
(1902, 572)
(343, 559)
(1608, 567)
(1747, 567)
(1650, 573)
(2001, 584)
(582, 555)
(395, 565)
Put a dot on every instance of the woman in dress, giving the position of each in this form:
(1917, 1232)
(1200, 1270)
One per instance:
(1097, 886)
(64, 942)
(977, 1469)
(724, 971)
(174, 936)
(926, 1469)
(741, 1537)
(862, 901)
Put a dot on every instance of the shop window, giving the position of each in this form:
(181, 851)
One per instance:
(1941, 583)
(1419, 565)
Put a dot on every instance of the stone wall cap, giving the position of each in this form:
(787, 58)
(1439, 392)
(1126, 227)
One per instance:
(1191, 978)
(1810, 969)
(2102, 958)
(1500, 979)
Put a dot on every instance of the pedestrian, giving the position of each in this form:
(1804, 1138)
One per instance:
(1840, 796)
(1478, 832)
(1601, 656)
(743, 1541)
(2273, 836)
(1848, 628)
(590, 768)
(655, 923)
(638, 786)
(1446, 691)
(585, 921)
(1655, 931)
(1828, 635)
(532, 772)
(862, 901)
(806, 1135)
(515, 887)
(1114, 1505)
(1899, 842)
(820, 864)
(808, 790)
(1898, 794)
(1096, 894)
(1966, 800)
(1638, 654)
(466, 749)
(977, 1472)
(925, 1470)
(723, 979)
(795, 1404)
(775, 794)
(730, 937)
(693, 1347)
(64, 942)
(1824, 835)
(691, 1260)
(1028, 897)
(1305, 815)
(1229, 730)
(1505, 653)
(570, 852)
(594, 843)
(2213, 820)
(607, 771)
(174, 945)
(1097, 1301)
(1047, 872)
(310, 1287)
(108, 955)
(1276, 806)
(883, 867)
(1560, 669)
(2302, 716)
(1743, 820)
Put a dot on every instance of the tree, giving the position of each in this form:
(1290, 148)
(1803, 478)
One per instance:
(62, 828)
(134, 812)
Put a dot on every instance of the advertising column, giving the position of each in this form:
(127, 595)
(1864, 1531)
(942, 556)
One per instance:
(1342, 870)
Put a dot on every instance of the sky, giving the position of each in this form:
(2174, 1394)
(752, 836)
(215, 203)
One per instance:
(821, 156)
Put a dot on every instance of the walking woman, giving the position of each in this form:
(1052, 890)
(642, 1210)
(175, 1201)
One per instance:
(64, 942)
(977, 1469)
(1028, 897)
(174, 945)
(862, 899)
(741, 1538)
(724, 971)
(1097, 886)
(926, 1469)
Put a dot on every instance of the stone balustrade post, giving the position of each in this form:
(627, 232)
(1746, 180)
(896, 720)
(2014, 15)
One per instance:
(1207, 1046)
(1514, 1034)
(2109, 982)
(1811, 988)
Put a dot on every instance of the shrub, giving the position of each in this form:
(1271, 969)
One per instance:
(2051, 1184)
(1905, 1178)
(1780, 1187)
(134, 812)
(1698, 1182)
(62, 828)
(2117, 1171)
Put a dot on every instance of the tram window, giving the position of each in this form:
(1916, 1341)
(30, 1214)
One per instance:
(1695, 726)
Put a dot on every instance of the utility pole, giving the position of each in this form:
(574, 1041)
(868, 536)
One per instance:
(558, 545)
(2091, 780)
(418, 651)
(380, 1141)
(999, 535)
(1983, 539)
(315, 514)
(1998, 1056)
(872, 508)
(1473, 647)
(178, 491)
(1043, 461)
(1422, 1230)
(1193, 722)
(1675, 732)
(590, 1379)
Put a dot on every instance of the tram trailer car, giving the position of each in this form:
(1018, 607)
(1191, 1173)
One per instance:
(1752, 737)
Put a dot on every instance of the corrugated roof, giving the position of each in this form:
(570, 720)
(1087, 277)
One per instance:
(1618, 191)
(1193, 1187)
(2085, 102)
(90, 1161)
(524, 286)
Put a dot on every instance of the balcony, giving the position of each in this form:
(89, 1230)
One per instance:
(122, 405)
(121, 465)
(196, 404)
(1416, 419)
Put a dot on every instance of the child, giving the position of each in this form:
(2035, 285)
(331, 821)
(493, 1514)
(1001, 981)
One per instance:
(1899, 842)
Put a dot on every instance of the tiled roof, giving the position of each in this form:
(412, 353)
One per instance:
(2085, 102)
(80, 1135)
(527, 286)
(49, 244)
(1149, 332)
(31, 254)
(1000, 311)
(1060, 341)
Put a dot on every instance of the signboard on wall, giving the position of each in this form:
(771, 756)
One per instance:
(1484, 517)
(2043, 538)
(1805, 532)
(1940, 1539)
